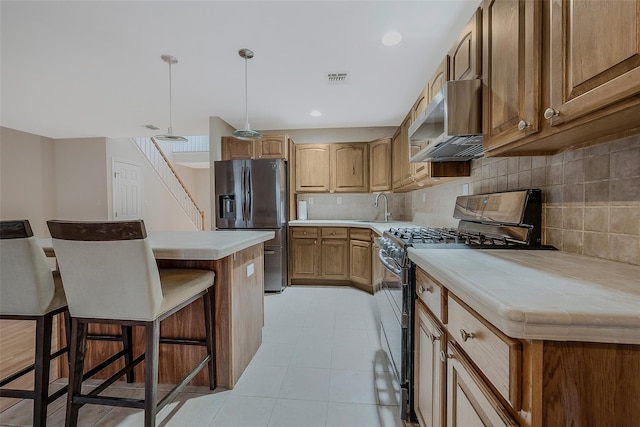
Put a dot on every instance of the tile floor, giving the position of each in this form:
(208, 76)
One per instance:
(320, 364)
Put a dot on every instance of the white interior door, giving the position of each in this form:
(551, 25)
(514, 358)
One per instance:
(127, 190)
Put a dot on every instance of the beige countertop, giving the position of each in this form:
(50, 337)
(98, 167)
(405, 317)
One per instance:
(195, 245)
(539, 294)
(378, 227)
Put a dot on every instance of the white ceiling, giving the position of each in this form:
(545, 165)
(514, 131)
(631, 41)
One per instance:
(92, 68)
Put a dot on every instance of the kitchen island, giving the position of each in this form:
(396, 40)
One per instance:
(535, 337)
(237, 259)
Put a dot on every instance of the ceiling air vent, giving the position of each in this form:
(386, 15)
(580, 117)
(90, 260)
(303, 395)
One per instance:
(337, 78)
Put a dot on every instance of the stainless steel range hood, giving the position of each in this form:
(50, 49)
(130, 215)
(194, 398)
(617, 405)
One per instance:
(450, 128)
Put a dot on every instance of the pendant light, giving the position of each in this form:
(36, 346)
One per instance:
(246, 133)
(169, 136)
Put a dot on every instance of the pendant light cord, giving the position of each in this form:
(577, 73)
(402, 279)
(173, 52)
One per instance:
(246, 96)
(170, 102)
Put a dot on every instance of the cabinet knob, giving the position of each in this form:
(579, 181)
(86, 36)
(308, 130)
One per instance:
(304, 232)
(422, 289)
(444, 356)
(464, 335)
(522, 125)
(434, 338)
(550, 113)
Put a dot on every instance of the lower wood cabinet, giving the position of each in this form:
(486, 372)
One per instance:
(429, 369)
(494, 380)
(470, 401)
(332, 255)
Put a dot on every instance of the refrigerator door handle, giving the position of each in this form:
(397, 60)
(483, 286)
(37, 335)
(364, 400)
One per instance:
(249, 194)
(244, 201)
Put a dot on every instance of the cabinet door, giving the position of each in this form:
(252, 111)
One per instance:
(420, 104)
(406, 168)
(429, 370)
(470, 402)
(272, 147)
(396, 148)
(511, 70)
(380, 165)
(360, 262)
(335, 259)
(350, 168)
(312, 168)
(439, 78)
(304, 258)
(237, 149)
(594, 57)
(465, 56)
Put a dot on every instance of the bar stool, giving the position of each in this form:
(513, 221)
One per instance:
(29, 292)
(110, 276)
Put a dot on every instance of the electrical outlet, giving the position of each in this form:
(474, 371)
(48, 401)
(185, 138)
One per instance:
(310, 200)
(424, 197)
(339, 200)
(465, 189)
(250, 270)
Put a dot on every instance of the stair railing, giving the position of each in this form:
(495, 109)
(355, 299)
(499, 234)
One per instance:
(164, 169)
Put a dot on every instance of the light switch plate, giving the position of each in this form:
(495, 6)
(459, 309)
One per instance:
(339, 200)
(465, 189)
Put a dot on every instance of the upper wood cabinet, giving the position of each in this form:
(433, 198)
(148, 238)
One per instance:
(594, 56)
(465, 57)
(270, 146)
(420, 104)
(350, 168)
(578, 87)
(397, 159)
(340, 168)
(439, 78)
(237, 149)
(511, 70)
(312, 168)
(380, 165)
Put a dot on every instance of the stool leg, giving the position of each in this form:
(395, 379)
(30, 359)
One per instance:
(208, 327)
(127, 343)
(152, 347)
(42, 365)
(76, 356)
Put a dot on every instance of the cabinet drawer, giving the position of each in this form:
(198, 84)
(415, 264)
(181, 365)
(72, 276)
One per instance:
(431, 294)
(361, 234)
(301, 232)
(497, 356)
(335, 232)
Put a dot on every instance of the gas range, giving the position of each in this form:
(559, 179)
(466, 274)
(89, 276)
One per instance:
(510, 220)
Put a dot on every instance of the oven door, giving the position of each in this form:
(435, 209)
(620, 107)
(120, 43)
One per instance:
(395, 306)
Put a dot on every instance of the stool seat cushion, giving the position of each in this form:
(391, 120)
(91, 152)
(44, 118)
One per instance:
(178, 285)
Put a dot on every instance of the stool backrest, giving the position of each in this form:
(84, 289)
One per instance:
(108, 269)
(26, 281)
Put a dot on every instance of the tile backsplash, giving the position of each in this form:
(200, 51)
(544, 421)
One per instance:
(591, 198)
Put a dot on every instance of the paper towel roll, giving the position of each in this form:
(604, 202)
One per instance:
(302, 209)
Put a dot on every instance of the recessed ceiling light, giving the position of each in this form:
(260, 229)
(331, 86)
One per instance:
(391, 38)
(315, 113)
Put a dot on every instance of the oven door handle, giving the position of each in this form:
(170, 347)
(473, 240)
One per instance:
(389, 263)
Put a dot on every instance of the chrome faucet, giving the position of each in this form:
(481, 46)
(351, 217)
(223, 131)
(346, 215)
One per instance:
(387, 214)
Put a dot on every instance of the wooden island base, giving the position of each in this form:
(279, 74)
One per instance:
(238, 320)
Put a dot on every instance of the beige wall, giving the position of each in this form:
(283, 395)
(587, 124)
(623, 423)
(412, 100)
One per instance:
(81, 174)
(27, 179)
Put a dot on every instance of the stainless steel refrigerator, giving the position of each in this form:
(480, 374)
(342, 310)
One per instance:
(252, 194)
